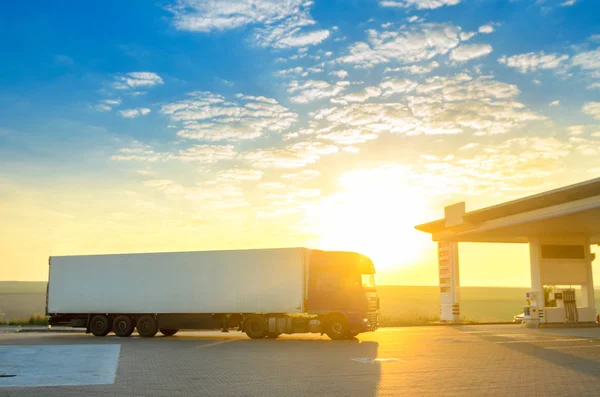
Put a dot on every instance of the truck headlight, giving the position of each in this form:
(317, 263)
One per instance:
(365, 320)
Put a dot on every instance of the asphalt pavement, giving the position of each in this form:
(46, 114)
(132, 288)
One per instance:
(495, 360)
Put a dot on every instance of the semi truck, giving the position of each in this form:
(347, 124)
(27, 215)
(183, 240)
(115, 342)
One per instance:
(261, 292)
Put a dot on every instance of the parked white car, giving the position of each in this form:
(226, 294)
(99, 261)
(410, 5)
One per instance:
(518, 319)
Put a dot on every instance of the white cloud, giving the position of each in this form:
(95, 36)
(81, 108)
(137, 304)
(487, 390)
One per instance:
(413, 43)
(419, 4)
(568, 3)
(210, 117)
(107, 104)
(240, 174)
(342, 74)
(593, 86)
(466, 52)
(137, 80)
(206, 154)
(288, 36)
(102, 107)
(304, 175)
(533, 61)
(588, 60)
(439, 105)
(298, 70)
(362, 96)
(481, 104)
(464, 36)
(555, 103)
(576, 129)
(133, 113)
(280, 24)
(415, 69)
(486, 29)
(111, 102)
(349, 136)
(593, 109)
(215, 197)
(391, 86)
(293, 156)
(312, 90)
(518, 165)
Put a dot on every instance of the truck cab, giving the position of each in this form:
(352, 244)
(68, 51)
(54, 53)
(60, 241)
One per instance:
(341, 291)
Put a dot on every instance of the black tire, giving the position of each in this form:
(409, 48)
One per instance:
(168, 332)
(336, 327)
(99, 325)
(351, 335)
(273, 335)
(146, 326)
(255, 327)
(123, 326)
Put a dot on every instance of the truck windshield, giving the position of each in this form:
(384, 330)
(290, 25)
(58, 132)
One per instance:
(368, 281)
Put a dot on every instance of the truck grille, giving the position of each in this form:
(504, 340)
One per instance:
(373, 320)
(373, 304)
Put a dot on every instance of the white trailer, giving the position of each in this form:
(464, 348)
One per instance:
(264, 292)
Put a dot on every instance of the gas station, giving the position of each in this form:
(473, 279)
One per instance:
(558, 225)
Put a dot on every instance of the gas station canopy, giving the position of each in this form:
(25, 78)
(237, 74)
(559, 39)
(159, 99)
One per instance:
(573, 209)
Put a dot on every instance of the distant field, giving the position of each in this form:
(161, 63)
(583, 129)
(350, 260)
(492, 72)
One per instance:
(400, 305)
(482, 304)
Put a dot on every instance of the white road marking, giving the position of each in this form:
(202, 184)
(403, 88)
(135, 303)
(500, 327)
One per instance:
(59, 365)
(513, 335)
(570, 347)
(542, 340)
(367, 360)
(216, 343)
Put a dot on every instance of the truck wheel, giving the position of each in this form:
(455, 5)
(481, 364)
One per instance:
(99, 326)
(255, 327)
(336, 327)
(123, 326)
(146, 326)
(168, 332)
(273, 335)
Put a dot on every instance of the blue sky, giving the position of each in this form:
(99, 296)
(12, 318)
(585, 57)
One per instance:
(260, 123)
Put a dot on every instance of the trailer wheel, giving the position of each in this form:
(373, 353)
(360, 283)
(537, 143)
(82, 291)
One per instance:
(168, 332)
(99, 326)
(255, 327)
(336, 327)
(123, 326)
(146, 326)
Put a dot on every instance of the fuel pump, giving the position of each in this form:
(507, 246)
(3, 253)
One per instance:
(570, 306)
(533, 311)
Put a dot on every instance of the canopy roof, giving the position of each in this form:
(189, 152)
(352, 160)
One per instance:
(573, 209)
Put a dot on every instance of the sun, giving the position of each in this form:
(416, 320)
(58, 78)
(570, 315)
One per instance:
(373, 214)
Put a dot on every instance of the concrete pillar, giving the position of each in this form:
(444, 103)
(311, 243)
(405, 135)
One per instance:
(536, 298)
(587, 289)
(449, 281)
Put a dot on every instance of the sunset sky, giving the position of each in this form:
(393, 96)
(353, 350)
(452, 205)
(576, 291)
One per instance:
(167, 126)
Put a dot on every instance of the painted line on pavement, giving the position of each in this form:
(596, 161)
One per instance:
(367, 360)
(570, 347)
(542, 340)
(217, 343)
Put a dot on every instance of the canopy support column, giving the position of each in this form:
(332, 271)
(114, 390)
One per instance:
(449, 281)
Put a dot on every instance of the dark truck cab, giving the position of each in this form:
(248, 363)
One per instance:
(341, 291)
